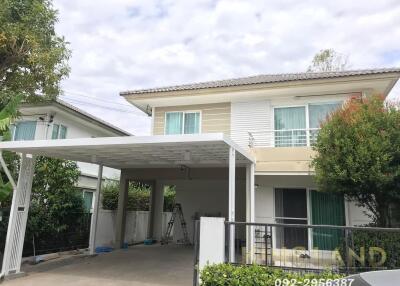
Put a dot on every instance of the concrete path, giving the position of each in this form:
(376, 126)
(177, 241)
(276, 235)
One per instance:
(139, 265)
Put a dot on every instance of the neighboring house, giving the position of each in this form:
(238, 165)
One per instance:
(277, 117)
(60, 120)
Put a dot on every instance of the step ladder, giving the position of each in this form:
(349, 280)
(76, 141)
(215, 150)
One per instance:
(177, 210)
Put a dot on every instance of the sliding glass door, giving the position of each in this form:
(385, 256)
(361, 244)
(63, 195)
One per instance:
(291, 208)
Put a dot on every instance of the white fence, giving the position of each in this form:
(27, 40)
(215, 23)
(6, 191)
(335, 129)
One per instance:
(135, 230)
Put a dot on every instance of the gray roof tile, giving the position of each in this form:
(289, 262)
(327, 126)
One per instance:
(263, 79)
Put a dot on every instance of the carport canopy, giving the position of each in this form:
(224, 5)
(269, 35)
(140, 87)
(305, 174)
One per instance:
(139, 151)
(162, 151)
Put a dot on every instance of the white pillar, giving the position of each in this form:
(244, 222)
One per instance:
(250, 210)
(121, 211)
(18, 217)
(212, 241)
(95, 214)
(157, 207)
(232, 201)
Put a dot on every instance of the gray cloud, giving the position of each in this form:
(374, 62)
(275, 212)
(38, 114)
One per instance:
(122, 44)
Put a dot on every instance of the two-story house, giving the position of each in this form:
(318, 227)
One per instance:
(54, 120)
(277, 117)
(238, 149)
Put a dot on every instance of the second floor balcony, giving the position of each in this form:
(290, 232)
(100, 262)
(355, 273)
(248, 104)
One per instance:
(283, 138)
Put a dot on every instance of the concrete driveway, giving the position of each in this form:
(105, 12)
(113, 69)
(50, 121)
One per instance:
(140, 265)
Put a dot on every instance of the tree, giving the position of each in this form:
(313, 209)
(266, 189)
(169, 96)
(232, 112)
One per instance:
(33, 59)
(328, 60)
(56, 203)
(358, 154)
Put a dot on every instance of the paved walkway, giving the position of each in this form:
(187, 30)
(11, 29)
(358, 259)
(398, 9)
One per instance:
(139, 265)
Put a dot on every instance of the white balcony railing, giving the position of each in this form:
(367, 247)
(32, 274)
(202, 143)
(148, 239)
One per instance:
(283, 138)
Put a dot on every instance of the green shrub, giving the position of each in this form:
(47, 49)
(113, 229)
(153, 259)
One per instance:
(365, 241)
(254, 275)
(138, 196)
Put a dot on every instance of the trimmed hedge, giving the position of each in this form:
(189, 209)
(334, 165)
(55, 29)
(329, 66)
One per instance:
(255, 275)
(366, 244)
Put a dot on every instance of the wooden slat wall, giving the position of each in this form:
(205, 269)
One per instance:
(215, 118)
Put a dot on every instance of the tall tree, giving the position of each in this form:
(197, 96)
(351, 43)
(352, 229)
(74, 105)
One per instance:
(358, 154)
(33, 59)
(328, 60)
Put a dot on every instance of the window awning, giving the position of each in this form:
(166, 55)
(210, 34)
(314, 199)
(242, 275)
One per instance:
(201, 150)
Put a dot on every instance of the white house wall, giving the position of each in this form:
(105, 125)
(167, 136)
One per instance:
(76, 128)
(249, 117)
(206, 198)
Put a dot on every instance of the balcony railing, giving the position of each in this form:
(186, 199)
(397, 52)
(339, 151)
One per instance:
(283, 138)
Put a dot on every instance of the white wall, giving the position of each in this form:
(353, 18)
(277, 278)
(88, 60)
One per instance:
(135, 231)
(76, 128)
(249, 117)
(206, 198)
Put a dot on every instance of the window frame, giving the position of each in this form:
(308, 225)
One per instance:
(83, 198)
(59, 131)
(183, 121)
(14, 127)
(307, 114)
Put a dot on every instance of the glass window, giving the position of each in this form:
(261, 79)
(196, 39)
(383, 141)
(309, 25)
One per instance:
(174, 122)
(56, 128)
(63, 132)
(87, 200)
(318, 113)
(192, 123)
(290, 126)
(25, 130)
(182, 123)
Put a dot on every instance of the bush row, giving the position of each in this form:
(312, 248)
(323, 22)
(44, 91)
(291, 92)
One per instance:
(254, 275)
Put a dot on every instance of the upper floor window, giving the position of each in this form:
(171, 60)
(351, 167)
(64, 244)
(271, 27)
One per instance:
(187, 122)
(24, 130)
(59, 131)
(292, 128)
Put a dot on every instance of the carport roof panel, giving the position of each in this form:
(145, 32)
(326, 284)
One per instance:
(200, 150)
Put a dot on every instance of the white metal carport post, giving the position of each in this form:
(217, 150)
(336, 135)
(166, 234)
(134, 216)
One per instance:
(95, 214)
(250, 210)
(18, 215)
(232, 202)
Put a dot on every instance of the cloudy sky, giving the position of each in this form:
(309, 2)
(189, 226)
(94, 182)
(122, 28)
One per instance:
(119, 45)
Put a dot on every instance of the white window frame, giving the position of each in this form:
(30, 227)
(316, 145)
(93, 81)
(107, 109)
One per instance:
(59, 130)
(307, 114)
(15, 125)
(183, 120)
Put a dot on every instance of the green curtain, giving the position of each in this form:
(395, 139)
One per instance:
(192, 123)
(54, 134)
(63, 132)
(25, 130)
(327, 209)
(174, 121)
(289, 118)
